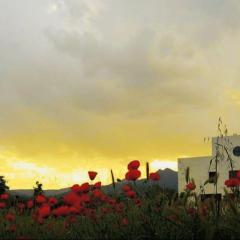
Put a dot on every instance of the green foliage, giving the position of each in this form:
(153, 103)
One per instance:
(162, 215)
(38, 189)
(3, 185)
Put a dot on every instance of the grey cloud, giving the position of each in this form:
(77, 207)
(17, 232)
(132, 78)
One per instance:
(131, 59)
(129, 72)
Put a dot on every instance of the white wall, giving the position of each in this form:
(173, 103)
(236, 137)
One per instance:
(199, 166)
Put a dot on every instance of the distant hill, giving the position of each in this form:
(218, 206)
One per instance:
(168, 179)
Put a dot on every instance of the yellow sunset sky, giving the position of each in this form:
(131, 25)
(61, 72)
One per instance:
(93, 84)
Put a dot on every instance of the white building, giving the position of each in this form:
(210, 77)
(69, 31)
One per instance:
(201, 169)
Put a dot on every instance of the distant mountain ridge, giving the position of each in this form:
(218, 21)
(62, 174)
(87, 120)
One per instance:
(168, 179)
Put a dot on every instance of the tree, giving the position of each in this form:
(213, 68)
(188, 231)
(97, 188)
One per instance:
(3, 186)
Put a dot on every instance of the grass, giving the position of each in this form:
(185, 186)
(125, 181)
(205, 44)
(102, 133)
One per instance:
(153, 215)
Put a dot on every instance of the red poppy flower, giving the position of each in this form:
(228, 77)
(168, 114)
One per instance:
(21, 206)
(92, 174)
(191, 211)
(2, 205)
(76, 188)
(133, 165)
(4, 196)
(126, 188)
(112, 201)
(97, 193)
(97, 185)
(133, 175)
(154, 176)
(85, 198)
(44, 211)
(30, 204)
(85, 187)
(124, 221)
(119, 207)
(105, 210)
(41, 199)
(104, 198)
(232, 182)
(71, 198)
(52, 201)
(61, 211)
(73, 210)
(72, 219)
(10, 217)
(138, 202)
(131, 194)
(191, 186)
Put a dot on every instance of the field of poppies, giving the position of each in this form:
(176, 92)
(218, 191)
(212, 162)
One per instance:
(133, 212)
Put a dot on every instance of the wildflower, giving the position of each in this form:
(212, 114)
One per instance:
(71, 198)
(30, 204)
(112, 201)
(73, 210)
(124, 221)
(133, 175)
(133, 165)
(10, 217)
(105, 210)
(72, 219)
(85, 187)
(104, 198)
(4, 196)
(41, 199)
(191, 186)
(85, 198)
(61, 211)
(97, 193)
(138, 202)
(21, 206)
(92, 174)
(119, 207)
(191, 211)
(131, 194)
(2, 205)
(232, 182)
(44, 211)
(154, 176)
(76, 188)
(126, 188)
(97, 185)
(52, 201)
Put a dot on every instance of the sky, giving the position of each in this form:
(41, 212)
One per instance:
(93, 84)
